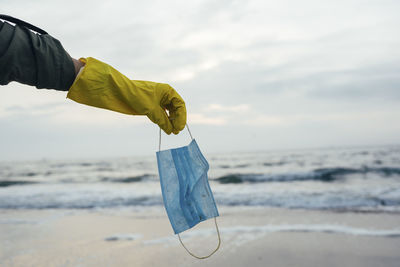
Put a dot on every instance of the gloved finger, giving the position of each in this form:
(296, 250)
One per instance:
(159, 117)
(178, 117)
(174, 103)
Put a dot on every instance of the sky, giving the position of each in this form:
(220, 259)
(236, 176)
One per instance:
(255, 75)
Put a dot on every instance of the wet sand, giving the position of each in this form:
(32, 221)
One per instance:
(250, 237)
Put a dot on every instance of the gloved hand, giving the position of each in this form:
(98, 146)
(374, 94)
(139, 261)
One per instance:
(102, 86)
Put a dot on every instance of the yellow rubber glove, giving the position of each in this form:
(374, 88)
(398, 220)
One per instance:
(100, 85)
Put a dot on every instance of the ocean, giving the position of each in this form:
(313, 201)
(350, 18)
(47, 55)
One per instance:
(339, 179)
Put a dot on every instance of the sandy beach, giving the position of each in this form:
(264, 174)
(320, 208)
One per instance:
(250, 237)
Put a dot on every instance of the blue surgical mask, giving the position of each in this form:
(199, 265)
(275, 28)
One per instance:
(186, 192)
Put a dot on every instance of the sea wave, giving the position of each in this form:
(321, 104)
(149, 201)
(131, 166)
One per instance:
(78, 202)
(128, 179)
(6, 183)
(321, 174)
(88, 196)
(132, 179)
(332, 179)
(340, 201)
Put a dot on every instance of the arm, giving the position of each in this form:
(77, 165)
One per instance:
(34, 59)
(41, 61)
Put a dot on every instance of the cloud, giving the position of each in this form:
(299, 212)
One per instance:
(81, 115)
(202, 119)
(219, 107)
(379, 81)
(266, 120)
(265, 65)
(191, 71)
(69, 113)
(218, 114)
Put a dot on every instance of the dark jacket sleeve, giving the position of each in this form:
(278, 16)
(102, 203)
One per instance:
(34, 59)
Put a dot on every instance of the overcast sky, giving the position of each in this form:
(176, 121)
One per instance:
(255, 75)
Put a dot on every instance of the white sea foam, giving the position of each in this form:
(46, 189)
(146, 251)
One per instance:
(243, 234)
(166, 241)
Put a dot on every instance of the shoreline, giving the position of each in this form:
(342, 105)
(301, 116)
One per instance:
(255, 236)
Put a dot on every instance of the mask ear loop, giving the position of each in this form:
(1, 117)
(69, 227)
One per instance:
(209, 255)
(215, 218)
(159, 139)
